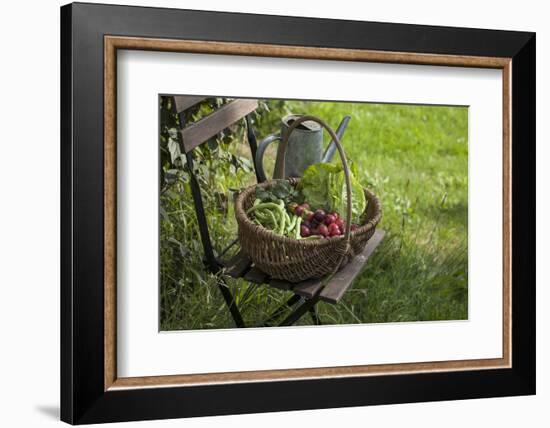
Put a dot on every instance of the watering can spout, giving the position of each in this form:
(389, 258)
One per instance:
(331, 148)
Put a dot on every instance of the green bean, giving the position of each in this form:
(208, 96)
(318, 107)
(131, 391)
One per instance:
(262, 215)
(287, 217)
(266, 217)
(276, 211)
(277, 220)
(269, 205)
(282, 225)
(283, 217)
(259, 213)
(273, 219)
(291, 224)
(297, 228)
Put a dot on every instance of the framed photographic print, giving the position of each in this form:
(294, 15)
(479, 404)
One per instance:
(266, 213)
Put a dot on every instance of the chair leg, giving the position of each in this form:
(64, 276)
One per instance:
(281, 309)
(230, 301)
(300, 311)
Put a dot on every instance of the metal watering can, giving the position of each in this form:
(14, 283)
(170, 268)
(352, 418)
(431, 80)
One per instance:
(304, 148)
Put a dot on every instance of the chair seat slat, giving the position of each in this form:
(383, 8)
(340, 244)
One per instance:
(256, 276)
(237, 266)
(341, 281)
(307, 288)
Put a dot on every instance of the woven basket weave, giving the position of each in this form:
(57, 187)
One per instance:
(296, 260)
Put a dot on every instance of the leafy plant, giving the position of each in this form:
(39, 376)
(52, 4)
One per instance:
(281, 190)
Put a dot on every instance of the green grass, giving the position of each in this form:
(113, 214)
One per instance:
(415, 158)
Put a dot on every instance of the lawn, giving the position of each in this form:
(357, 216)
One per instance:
(415, 158)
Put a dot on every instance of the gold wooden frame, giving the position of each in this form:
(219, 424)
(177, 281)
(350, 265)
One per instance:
(112, 43)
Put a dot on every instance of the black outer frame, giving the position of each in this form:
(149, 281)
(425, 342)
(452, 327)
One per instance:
(83, 399)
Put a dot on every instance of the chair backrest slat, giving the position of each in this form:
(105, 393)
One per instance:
(183, 102)
(204, 129)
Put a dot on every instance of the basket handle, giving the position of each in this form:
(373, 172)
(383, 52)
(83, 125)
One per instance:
(281, 165)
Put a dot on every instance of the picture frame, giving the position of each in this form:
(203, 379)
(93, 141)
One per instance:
(91, 391)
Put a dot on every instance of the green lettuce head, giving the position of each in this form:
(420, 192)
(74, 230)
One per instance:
(323, 185)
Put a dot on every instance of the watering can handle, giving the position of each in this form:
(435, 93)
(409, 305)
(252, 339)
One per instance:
(347, 175)
(260, 155)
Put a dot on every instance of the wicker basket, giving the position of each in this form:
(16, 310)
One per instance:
(296, 260)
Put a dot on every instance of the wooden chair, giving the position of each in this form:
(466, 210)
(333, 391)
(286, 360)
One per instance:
(306, 294)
